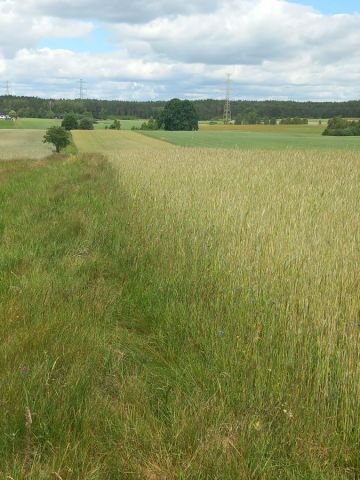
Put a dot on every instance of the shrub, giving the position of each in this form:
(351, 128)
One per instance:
(70, 122)
(86, 124)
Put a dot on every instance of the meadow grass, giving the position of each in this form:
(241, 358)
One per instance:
(183, 314)
(23, 144)
(264, 138)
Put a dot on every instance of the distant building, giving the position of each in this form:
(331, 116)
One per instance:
(4, 117)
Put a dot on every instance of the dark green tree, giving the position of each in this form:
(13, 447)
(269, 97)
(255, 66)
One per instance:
(86, 124)
(116, 125)
(179, 115)
(58, 136)
(341, 127)
(70, 122)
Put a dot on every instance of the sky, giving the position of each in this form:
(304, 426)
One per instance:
(160, 49)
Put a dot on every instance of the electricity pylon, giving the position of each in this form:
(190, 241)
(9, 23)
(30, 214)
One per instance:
(227, 106)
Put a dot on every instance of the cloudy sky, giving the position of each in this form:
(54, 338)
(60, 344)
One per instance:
(158, 49)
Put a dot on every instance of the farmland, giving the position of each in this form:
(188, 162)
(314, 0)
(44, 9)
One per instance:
(108, 141)
(43, 124)
(22, 144)
(181, 313)
(258, 137)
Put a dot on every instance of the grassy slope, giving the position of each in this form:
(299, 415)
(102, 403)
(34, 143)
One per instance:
(256, 140)
(23, 143)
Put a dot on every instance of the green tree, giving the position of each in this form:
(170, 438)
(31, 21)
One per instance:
(116, 125)
(151, 124)
(70, 122)
(179, 115)
(58, 136)
(12, 114)
(86, 124)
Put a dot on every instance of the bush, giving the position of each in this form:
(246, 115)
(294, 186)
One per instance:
(86, 124)
(294, 121)
(151, 124)
(116, 125)
(339, 127)
(70, 122)
(58, 136)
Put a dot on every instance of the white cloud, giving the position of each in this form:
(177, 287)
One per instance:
(247, 32)
(18, 31)
(273, 48)
(114, 10)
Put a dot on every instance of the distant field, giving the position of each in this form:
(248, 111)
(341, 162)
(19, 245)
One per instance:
(125, 124)
(43, 123)
(257, 140)
(23, 144)
(106, 141)
(265, 129)
(30, 123)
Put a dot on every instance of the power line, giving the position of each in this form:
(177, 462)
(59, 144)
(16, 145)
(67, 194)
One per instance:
(227, 106)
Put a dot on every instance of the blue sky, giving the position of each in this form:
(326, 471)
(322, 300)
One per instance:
(333, 6)
(163, 48)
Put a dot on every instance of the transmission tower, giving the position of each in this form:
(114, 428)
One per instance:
(81, 88)
(7, 88)
(227, 106)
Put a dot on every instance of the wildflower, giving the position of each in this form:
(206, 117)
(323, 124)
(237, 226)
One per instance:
(24, 370)
(221, 333)
(257, 426)
(289, 414)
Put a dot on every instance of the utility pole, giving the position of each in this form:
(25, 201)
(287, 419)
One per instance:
(227, 106)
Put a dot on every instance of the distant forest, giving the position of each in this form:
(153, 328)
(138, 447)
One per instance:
(206, 109)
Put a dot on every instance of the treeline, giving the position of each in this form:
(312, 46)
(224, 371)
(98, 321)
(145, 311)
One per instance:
(206, 109)
(340, 127)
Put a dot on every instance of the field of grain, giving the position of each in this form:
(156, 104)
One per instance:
(107, 141)
(23, 144)
(180, 313)
(311, 129)
(244, 139)
(250, 284)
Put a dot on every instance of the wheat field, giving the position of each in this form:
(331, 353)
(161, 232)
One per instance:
(180, 313)
(255, 257)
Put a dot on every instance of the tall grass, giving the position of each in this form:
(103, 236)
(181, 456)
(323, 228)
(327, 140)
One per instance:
(249, 269)
(194, 318)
